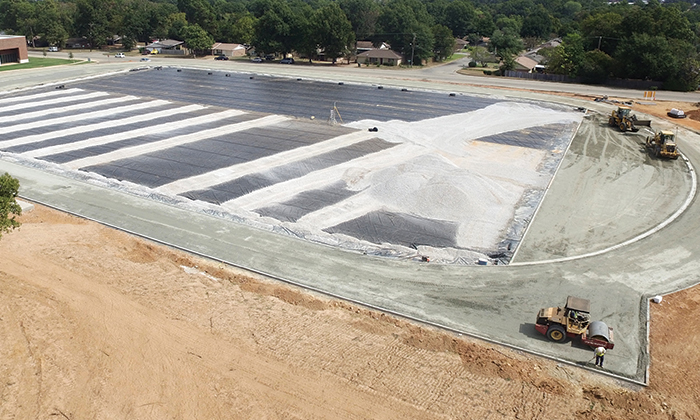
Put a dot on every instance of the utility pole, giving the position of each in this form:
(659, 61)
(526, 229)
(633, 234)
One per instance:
(600, 38)
(413, 47)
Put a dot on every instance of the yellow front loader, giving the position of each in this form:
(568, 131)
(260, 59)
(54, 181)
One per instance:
(623, 118)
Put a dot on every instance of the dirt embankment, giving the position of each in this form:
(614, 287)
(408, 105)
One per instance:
(99, 324)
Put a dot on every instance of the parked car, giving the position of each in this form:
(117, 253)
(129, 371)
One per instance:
(145, 59)
(119, 55)
(287, 61)
(53, 49)
(256, 60)
(221, 57)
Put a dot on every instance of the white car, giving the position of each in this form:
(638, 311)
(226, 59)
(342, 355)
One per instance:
(53, 49)
(119, 55)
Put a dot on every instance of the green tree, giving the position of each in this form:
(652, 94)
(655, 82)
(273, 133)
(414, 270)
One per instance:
(19, 16)
(199, 12)
(362, 15)
(303, 39)
(437, 9)
(91, 22)
(197, 39)
(672, 23)
(479, 54)
(405, 25)
(273, 30)
(643, 56)
(333, 31)
(239, 28)
(602, 30)
(596, 67)
(687, 76)
(571, 9)
(163, 17)
(505, 43)
(538, 23)
(137, 24)
(515, 7)
(513, 22)
(10, 14)
(483, 24)
(460, 17)
(444, 45)
(508, 63)
(567, 57)
(9, 208)
(173, 27)
(50, 23)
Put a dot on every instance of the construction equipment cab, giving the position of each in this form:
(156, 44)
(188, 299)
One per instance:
(663, 145)
(574, 320)
(625, 120)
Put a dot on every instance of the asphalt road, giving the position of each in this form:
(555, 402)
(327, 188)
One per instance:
(496, 303)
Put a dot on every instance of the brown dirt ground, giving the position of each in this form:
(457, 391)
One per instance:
(98, 324)
(658, 109)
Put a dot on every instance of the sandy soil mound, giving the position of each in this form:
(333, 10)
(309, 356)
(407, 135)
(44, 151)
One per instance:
(99, 324)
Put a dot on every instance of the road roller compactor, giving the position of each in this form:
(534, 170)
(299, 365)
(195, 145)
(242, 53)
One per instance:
(574, 320)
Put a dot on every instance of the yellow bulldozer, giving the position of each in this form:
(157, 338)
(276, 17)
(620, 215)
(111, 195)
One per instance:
(623, 118)
(663, 145)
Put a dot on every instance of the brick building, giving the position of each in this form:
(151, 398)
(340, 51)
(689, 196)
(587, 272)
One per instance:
(13, 49)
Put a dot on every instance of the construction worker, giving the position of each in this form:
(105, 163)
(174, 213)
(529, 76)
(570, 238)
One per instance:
(599, 356)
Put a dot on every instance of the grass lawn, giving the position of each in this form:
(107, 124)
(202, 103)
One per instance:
(35, 62)
(478, 70)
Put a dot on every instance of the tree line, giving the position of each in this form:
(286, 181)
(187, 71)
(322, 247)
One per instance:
(651, 41)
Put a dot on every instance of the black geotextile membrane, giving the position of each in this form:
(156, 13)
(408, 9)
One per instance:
(63, 100)
(54, 136)
(246, 184)
(380, 227)
(165, 166)
(51, 112)
(544, 137)
(307, 202)
(289, 96)
(155, 136)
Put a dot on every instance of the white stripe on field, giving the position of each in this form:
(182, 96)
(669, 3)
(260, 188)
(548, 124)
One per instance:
(284, 191)
(85, 116)
(97, 126)
(42, 95)
(222, 175)
(53, 101)
(351, 208)
(129, 152)
(151, 129)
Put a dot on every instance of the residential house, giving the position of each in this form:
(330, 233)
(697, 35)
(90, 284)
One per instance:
(229, 50)
(167, 46)
(363, 46)
(380, 57)
(460, 44)
(77, 43)
(525, 63)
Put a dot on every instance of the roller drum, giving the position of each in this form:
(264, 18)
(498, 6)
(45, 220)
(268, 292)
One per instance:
(598, 330)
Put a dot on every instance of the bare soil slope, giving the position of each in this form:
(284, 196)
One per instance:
(95, 323)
